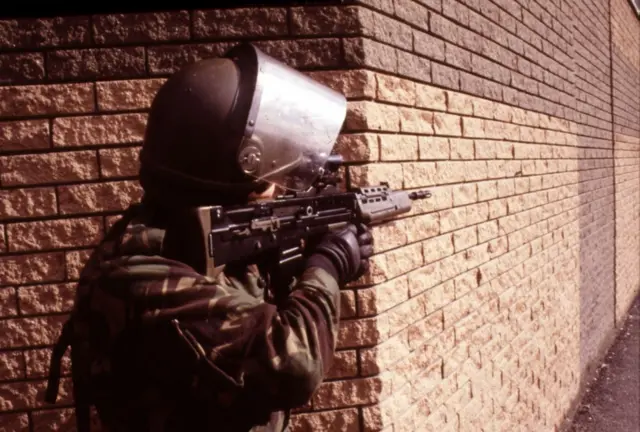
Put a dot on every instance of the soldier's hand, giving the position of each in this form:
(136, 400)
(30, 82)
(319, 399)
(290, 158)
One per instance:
(348, 250)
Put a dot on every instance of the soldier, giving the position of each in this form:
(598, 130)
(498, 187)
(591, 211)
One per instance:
(157, 345)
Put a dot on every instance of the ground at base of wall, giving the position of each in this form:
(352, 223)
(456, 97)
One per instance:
(612, 402)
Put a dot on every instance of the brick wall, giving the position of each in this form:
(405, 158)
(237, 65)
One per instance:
(484, 307)
(625, 56)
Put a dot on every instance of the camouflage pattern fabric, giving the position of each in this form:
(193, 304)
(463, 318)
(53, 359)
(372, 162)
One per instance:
(159, 347)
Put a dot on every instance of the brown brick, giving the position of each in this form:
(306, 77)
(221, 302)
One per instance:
(472, 84)
(97, 130)
(233, 22)
(55, 419)
(360, 52)
(30, 394)
(447, 124)
(54, 234)
(430, 97)
(398, 147)
(358, 147)
(395, 90)
(24, 135)
(42, 299)
(416, 121)
(48, 168)
(21, 68)
(428, 46)
(345, 364)
(74, 262)
(8, 304)
(419, 174)
(167, 59)
(119, 162)
(372, 116)
(15, 422)
(323, 20)
(96, 63)
(21, 332)
(141, 27)
(3, 239)
(33, 202)
(127, 95)
(44, 32)
(96, 197)
(351, 392)
(351, 83)
(37, 362)
(374, 174)
(11, 366)
(412, 12)
(434, 148)
(31, 268)
(304, 53)
(445, 76)
(46, 99)
(344, 420)
(457, 56)
(414, 66)
(391, 31)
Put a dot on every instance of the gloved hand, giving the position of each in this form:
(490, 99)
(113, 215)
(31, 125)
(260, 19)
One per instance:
(347, 251)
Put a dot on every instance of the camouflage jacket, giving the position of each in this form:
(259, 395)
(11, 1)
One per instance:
(159, 347)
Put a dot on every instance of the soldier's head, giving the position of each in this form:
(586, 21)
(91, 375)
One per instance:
(222, 129)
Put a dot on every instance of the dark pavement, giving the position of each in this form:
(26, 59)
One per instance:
(612, 403)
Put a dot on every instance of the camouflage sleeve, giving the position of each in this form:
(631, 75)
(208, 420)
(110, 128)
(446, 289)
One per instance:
(280, 354)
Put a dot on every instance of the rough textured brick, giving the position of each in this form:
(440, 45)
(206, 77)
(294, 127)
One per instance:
(127, 95)
(398, 147)
(414, 66)
(395, 90)
(351, 83)
(96, 63)
(46, 99)
(15, 422)
(20, 332)
(32, 202)
(31, 268)
(447, 124)
(44, 32)
(63, 233)
(8, 303)
(233, 22)
(167, 59)
(24, 135)
(119, 162)
(21, 68)
(140, 27)
(74, 261)
(368, 53)
(305, 53)
(322, 20)
(345, 420)
(46, 298)
(429, 46)
(371, 116)
(96, 197)
(48, 168)
(92, 130)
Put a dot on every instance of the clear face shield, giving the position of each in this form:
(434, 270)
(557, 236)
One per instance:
(292, 126)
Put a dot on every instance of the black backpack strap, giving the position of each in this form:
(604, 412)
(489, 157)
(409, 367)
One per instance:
(59, 349)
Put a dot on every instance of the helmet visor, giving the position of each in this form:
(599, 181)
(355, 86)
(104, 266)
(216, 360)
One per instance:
(292, 126)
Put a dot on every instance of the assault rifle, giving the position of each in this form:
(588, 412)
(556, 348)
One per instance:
(275, 233)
